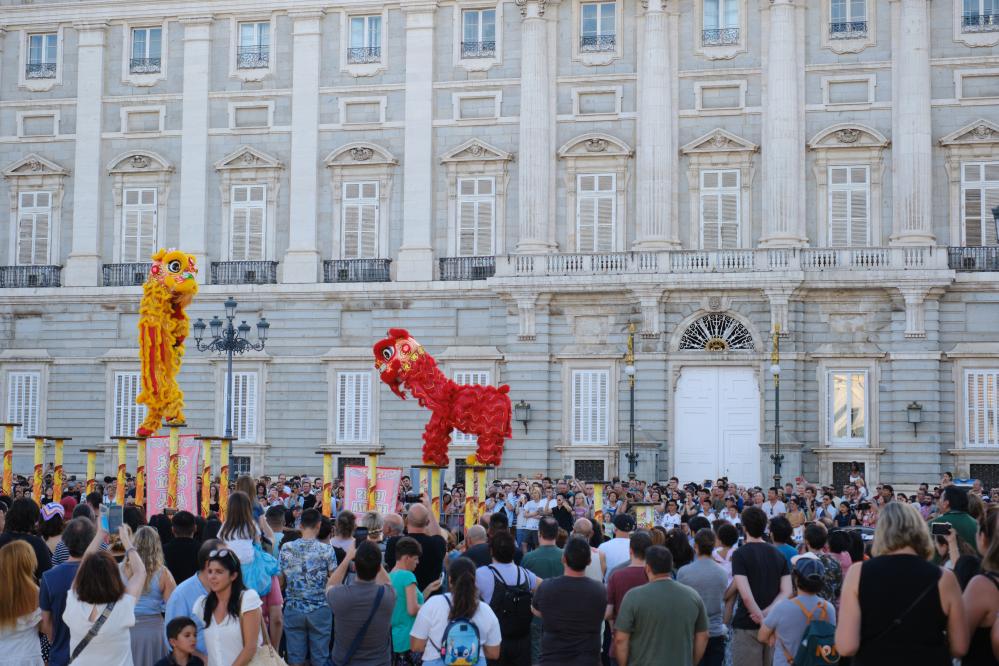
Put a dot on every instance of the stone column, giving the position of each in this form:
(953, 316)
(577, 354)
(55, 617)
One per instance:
(537, 143)
(301, 261)
(194, 139)
(83, 266)
(912, 144)
(416, 255)
(655, 149)
(783, 143)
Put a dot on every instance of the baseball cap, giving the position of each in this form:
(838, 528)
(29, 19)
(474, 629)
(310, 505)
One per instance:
(624, 522)
(811, 568)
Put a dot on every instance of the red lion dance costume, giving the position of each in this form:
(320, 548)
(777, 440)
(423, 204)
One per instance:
(475, 410)
(163, 326)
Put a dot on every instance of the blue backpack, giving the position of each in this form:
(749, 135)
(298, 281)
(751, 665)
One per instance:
(818, 644)
(460, 645)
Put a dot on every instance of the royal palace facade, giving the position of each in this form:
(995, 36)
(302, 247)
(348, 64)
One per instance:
(518, 183)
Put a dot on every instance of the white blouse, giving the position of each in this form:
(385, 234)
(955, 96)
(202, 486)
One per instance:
(19, 644)
(112, 646)
(224, 640)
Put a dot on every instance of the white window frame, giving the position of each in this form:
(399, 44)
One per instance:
(359, 425)
(868, 363)
(480, 11)
(34, 210)
(479, 376)
(961, 74)
(39, 85)
(828, 81)
(258, 73)
(975, 440)
(853, 43)
(151, 78)
(987, 222)
(363, 68)
(24, 115)
(720, 51)
(235, 206)
(263, 129)
(701, 86)
(23, 432)
(829, 409)
(128, 414)
(476, 200)
(139, 208)
(617, 91)
(458, 26)
(597, 58)
(593, 153)
(594, 438)
(477, 159)
(139, 169)
(128, 110)
(718, 192)
(255, 437)
(350, 359)
(356, 162)
(344, 102)
(360, 202)
(456, 99)
(33, 172)
(596, 195)
(849, 188)
(248, 166)
(972, 39)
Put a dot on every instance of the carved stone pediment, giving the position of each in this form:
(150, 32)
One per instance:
(33, 164)
(595, 144)
(848, 135)
(247, 157)
(977, 133)
(359, 153)
(476, 150)
(719, 141)
(138, 161)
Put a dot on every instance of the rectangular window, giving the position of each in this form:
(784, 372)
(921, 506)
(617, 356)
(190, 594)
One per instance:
(980, 16)
(239, 466)
(847, 19)
(254, 48)
(849, 206)
(478, 33)
(476, 216)
(360, 220)
(981, 400)
(848, 407)
(353, 407)
(244, 405)
(720, 23)
(23, 402)
(146, 51)
(365, 39)
(480, 377)
(590, 411)
(43, 51)
(138, 224)
(34, 220)
(979, 195)
(720, 199)
(127, 415)
(597, 31)
(249, 213)
(596, 204)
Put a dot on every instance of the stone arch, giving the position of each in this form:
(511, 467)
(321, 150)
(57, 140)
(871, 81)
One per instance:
(716, 331)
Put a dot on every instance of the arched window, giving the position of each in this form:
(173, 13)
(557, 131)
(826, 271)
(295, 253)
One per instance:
(717, 332)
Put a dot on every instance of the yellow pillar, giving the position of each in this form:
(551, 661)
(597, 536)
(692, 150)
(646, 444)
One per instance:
(174, 465)
(8, 458)
(327, 498)
(140, 471)
(224, 443)
(206, 476)
(471, 504)
(480, 491)
(91, 469)
(57, 473)
(119, 495)
(36, 487)
(598, 506)
(372, 475)
(429, 483)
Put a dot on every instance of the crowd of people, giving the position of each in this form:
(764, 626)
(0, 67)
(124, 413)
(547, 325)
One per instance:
(720, 574)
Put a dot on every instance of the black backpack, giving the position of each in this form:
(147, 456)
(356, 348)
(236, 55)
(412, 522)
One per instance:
(512, 605)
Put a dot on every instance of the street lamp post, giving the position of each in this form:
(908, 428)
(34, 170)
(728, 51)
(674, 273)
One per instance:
(776, 457)
(229, 340)
(629, 370)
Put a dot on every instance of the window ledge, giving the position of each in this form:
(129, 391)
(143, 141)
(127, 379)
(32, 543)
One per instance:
(144, 80)
(40, 85)
(856, 44)
(358, 70)
(478, 64)
(722, 51)
(251, 75)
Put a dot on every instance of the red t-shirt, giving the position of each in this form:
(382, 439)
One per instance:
(621, 581)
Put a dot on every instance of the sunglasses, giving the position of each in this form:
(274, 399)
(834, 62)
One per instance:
(222, 553)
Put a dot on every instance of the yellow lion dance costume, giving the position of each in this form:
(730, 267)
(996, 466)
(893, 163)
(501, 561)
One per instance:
(163, 326)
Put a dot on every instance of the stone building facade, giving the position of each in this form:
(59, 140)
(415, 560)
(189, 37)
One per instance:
(516, 183)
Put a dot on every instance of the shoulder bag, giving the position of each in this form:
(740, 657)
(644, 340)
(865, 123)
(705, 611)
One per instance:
(359, 636)
(266, 654)
(92, 633)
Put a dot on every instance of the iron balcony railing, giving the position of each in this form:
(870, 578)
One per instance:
(356, 270)
(974, 22)
(847, 29)
(144, 65)
(16, 277)
(478, 49)
(253, 57)
(588, 43)
(41, 70)
(969, 259)
(467, 268)
(719, 36)
(244, 272)
(358, 55)
(125, 275)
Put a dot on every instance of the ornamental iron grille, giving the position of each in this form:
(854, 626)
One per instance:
(483, 49)
(588, 43)
(717, 332)
(847, 29)
(361, 55)
(975, 22)
(343, 462)
(719, 36)
(841, 474)
(144, 66)
(987, 474)
(589, 470)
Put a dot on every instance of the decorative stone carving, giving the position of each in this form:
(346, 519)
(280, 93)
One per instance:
(596, 145)
(139, 162)
(523, 6)
(982, 132)
(249, 158)
(361, 153)
(714, 303)
(848, 135)
(34, 165)
(649, 300)
(475, 149)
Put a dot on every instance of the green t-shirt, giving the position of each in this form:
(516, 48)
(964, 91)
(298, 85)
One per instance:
(662, 618)
(402, 621)
(544, 562)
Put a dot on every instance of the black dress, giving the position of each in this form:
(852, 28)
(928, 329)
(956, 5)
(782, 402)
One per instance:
(980, 649)
(889, 586)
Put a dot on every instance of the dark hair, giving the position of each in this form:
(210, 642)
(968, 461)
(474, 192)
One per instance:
(345, 525)
(680, 551)
(177, 625)
(78, 534)
(184, 523)
(728, 535)
(547, 528)
(98, 580)
(367, 560)
(51, 527)
(407, 546)
(816, 536)
(135, 519)
(230, 563)
(659, 559)
(577, 553)
(464, 594)
(500, 521)
(780, 529)
(275, 514)
(206, 548)
(704, 541)
(956, 497)
(856, 548)
(502, 547)
(325, 528)
(754, 521)
(94, 499)
(22, 516)
(839, 541)
(639, 543)
(697, 523)
(84, 510)
(807, 584)
(311, 519)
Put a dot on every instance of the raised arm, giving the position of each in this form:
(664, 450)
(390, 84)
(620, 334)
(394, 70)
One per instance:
(137, 580)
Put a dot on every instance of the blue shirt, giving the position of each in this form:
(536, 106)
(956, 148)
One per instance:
(181, 604)
(788, 551)
(56, 583)
(306, 565)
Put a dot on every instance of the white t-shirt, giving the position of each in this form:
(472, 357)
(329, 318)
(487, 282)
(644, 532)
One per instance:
(432, 620)
(616, 551)
(112, 646)
(670, 520)
(223, 641)
(774, 510)
(529, 507)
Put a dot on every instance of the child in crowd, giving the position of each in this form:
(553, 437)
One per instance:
(183, 636)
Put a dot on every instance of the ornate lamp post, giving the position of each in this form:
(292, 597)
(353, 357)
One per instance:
(629, 371)
(229, 340)
(776, 457)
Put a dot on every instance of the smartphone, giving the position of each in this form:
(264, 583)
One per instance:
(360, 535)
(940, 529)
(115, 512)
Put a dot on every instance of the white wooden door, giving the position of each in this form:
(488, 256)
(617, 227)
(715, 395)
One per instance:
(717, 425)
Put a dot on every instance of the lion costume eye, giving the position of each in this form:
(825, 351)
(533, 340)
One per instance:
(387, 353)
(174, 266)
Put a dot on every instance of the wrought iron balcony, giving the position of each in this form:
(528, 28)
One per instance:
(253, 57)
(41, 70)
(359, 55)
(980, 22)
(478, 49)
(17, 277)
(847, 29)
(719, 36)
(244, 272)
(356, 270)
(144, 66)
(125, 275)
(467, 268)
(969, 259)
(591, 43)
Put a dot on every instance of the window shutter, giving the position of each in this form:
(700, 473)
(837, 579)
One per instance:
(720, 197)
(595, 213)
(360, 220)
(353, 407)
(859, 215)
(33, 228)
(476, 213)
(589, 406)
(351, 231)
(980, 182)
(982, 407)
(138, 237)
(847, 398)
(244, 406)
(849, 210)
(466, 377)
(249, 206)
(710, 227)
(127, 414)
(23, 402)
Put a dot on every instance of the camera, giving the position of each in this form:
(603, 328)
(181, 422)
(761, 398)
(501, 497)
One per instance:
(940, 529)
(412, 498)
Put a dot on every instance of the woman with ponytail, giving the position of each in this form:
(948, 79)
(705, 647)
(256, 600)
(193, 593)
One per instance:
(461, 603)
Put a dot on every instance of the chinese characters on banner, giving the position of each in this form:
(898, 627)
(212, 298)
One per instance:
(157, 470)
(355, 491)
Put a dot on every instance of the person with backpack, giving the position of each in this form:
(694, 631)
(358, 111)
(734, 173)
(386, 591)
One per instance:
(508, 590)
(456, 628)
(802, 630)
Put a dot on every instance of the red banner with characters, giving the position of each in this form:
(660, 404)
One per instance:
(355, 489)
(158, 469)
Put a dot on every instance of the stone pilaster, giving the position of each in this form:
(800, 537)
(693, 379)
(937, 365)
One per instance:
(301, 261)
(783, 143)
(416, 256)
(912, 143)
(537, 149)
(83, 266)
(194, 138)
(656, 152)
